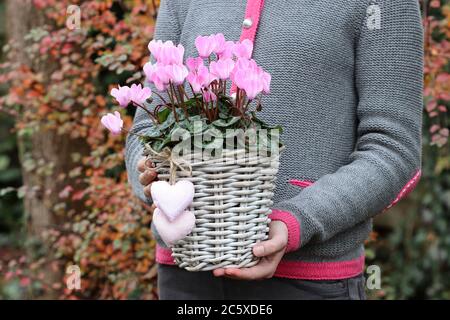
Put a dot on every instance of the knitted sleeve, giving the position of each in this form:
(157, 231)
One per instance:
(167, 28)
(386, 161)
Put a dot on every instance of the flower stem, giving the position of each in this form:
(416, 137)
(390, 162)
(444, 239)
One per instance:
(146, 110)
(184, 92)
(183, 105)
(246, 106)
(161, 97)
(174, 107)
(205, 107)
(192, 89)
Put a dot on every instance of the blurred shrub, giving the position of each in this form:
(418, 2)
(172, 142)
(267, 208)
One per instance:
(109, 239)
(415, 254)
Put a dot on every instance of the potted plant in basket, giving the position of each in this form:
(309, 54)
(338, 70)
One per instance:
(216, 161)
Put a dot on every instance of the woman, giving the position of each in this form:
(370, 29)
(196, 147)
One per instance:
(347, 88)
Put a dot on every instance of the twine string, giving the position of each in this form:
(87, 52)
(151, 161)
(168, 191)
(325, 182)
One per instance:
(165, 156)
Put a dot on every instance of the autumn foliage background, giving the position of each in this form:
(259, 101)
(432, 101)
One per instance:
(64, 196)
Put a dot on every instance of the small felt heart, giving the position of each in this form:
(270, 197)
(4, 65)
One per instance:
(172, 231)
(172, 199)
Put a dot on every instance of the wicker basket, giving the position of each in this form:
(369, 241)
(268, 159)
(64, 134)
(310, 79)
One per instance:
(233, 197)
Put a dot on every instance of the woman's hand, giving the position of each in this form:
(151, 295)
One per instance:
(147, 176)
(271, 251)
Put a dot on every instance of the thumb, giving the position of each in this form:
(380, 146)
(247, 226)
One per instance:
(276, 242)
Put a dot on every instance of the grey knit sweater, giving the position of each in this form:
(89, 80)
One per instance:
(347, 88)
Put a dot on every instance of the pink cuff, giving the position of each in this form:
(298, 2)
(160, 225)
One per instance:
(164, 255)
(292, 225)
(406, 189)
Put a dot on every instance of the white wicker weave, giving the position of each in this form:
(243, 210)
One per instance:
(233, 197)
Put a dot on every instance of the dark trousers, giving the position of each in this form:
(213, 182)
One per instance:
(178, 284)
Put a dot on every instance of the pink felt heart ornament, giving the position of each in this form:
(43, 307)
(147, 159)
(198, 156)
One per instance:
(172, 200)
(172, 231)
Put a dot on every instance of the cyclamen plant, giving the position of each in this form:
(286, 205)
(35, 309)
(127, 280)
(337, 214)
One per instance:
(193, 91)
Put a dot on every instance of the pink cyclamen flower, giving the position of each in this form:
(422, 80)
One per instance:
(155, 48)
(166, 52)
(209, 96)
(250, 82)
(251, 78)
(240, 64)
(113, 122)
(222, 68)
(194, 63)
(177, 73)
(253, 86)
(205, 45)
(219, 43)
(227, 51)
(200, 78)
(243, 49)
(244, 64)
(149, 70)
(266, 79)
(157, 74)
(171, 54)
(248, 65)
(122, 95)
(139, 94)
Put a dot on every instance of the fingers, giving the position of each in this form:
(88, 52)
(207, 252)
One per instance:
(219, 272)
(271, 251)
(144, 164)
(254, 273)
(147, 190)
(150, 209)
(141, 165)
(265, 269)
(278, 234)
(268, 247)
(147, 177)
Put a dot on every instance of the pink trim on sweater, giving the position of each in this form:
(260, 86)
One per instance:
(406, 189)
(253, 12)
(164, 255)
(296, 269)
(320, 270)
(301, 183)
(292, 226)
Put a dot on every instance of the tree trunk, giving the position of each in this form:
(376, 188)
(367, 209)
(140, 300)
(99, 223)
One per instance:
(45, 149)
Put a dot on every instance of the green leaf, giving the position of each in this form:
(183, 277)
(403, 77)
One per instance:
(7, 190)
(226, 123)
(157, 145)
(4, 162)
(195, 118)
(171, 120)
(186, 124)
(126, 245)
(153, 132)
(163, 114)
(168, 122)
(117, 244)
(263, 124)
(209, 140)
(161, 144)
